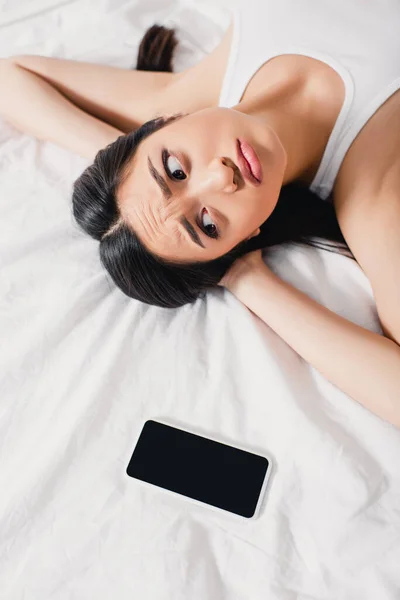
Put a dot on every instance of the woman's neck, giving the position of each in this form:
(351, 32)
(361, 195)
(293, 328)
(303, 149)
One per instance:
(298, 97)
(294, 117)
(302, 120)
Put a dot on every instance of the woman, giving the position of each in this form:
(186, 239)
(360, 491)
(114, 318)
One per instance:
(287, 130)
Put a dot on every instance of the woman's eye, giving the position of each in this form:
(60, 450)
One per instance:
(209, 227)
(173, 167)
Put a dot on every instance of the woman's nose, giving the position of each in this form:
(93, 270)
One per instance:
(219, 176)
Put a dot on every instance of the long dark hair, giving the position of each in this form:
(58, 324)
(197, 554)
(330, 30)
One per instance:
(298, 217)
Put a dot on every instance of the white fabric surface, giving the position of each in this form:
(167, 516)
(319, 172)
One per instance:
(82, 367)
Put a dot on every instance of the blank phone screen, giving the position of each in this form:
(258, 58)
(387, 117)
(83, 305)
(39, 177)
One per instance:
(203, 469)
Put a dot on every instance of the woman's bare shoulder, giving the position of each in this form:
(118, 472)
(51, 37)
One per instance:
(372, 163)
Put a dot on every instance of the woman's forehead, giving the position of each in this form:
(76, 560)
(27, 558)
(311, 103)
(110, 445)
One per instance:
(142, 206)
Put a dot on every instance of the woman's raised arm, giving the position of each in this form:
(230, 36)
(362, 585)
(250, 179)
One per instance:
(363, 364)
(79, 106)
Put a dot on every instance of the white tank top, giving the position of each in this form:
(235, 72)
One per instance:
(360, 39)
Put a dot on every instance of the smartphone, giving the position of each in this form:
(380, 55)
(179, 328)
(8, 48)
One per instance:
(203, 469)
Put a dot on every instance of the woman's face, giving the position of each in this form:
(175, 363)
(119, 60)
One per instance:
(205, 191)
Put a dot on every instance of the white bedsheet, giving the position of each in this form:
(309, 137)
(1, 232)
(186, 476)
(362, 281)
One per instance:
(82, 367)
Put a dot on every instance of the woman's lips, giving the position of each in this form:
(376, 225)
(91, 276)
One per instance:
(249, 164)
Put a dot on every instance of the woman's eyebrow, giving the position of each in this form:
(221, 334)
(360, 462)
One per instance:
(167, 195)
(192, 232)
(159, 180)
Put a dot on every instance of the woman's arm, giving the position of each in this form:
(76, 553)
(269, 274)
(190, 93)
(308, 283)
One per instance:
(363, 364)
(35, 107)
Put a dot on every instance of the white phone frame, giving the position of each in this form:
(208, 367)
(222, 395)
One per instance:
(221, 440)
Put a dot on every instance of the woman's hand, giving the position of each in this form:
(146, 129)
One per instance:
(247, 264)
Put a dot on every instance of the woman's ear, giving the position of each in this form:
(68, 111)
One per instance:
(256, 232)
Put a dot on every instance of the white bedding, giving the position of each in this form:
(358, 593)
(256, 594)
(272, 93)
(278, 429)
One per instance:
(82, 367)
